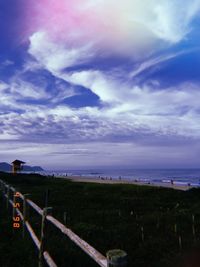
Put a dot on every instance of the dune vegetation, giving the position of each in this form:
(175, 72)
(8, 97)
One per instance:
(155, 226)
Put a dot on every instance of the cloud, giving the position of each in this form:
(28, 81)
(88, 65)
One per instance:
(135, 26)
(3, 86)
(141, 114)
(129, 109)
(56, 56)
(21, 89)
(171, 19)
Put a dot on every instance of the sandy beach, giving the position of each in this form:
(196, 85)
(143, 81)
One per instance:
(86, 179)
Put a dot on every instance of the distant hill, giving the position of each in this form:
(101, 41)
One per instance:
(4, 166)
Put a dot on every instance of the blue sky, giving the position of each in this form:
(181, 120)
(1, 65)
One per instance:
(117, 89)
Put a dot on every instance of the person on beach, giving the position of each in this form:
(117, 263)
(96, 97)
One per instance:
(172, 182)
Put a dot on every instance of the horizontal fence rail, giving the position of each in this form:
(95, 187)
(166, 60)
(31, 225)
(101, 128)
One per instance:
(114, 257)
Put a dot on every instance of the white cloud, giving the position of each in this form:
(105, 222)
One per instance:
(22, 89)
(161, 110)
(133, 28)
(55, 56)
(170, 20)
(100, 84)
(3, 86)
(134, 25)
(170, 111)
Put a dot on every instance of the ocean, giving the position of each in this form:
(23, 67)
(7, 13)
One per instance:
(179, 176)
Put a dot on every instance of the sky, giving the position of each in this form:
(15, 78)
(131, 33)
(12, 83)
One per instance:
(100, 83)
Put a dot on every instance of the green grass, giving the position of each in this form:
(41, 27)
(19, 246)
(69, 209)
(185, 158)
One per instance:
(108, 217)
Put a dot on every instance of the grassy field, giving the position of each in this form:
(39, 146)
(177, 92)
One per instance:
(146, 222)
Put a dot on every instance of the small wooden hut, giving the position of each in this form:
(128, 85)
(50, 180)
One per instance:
(17, 166)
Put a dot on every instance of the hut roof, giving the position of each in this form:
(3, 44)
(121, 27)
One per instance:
(18, 162)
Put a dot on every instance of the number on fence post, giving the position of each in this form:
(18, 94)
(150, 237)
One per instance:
(116, 258)
(15, 206)
(46, 211)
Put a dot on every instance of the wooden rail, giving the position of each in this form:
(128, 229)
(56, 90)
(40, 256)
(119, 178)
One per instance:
(100, 259)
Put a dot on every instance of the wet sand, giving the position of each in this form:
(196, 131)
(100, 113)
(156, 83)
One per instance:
(124, 181)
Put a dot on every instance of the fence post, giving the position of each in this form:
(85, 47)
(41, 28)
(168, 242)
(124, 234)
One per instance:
(65, 218)
(180, 242)
(193, 227)
(1, 182)
(47, 194)
(116, 258)
(4, 190)
(8, 196)
(46, 211)
(175, 228)
(142, 233)
(14, 202)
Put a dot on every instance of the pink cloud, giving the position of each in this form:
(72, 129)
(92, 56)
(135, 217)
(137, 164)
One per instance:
(63, 20)
(130, 27)
(77, 22)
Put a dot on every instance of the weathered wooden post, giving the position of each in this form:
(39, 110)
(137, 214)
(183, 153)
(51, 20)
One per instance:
(1, 182)
(158, 223)
(175, 228)
(180, 242)
(46, 211)
(65, 218)
(193, 227)
(8, 196)
(116, 258)
(4, 191)
(47, 193)
(119, 212)
(142, 233)
(24, 213)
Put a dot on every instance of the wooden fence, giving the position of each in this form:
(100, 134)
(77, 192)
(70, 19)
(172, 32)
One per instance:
(113, 257)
